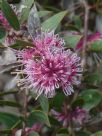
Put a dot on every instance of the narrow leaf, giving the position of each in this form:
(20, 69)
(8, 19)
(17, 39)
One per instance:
(54, 21)
(8, 119)
(9, 103)
(8, 92)
(2, 32)
(44, 13)
(6, 131)
(33, 22)
(33, 134)
(25, 11)
(10, 15)
(20, 44)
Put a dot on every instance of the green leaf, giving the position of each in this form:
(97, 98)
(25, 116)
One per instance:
(98, 9)
(38, 116)
(96, 46)
(71, 27)
(44, 13)
(97, 134)
(62, 135)
(44, 103)
(9, 103)
(29, 3)
(33, 134)
(25, 12)
(8, 119)
(77, 103)
(82, 133)
(10, 15)
(78, 22)
(6, 131)
(8, 92)
(72, 40)
(17, 124)
(57, 101)
(2, 32)
(93, 78)
(91, 97)
(20, 44)
(64, 130)
(54, 21)
(53, 121)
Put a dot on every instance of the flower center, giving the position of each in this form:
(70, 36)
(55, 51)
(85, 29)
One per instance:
(54, 69)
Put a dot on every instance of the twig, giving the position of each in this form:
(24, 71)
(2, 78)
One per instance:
(25, 113)
(85, 32)
(71, 126)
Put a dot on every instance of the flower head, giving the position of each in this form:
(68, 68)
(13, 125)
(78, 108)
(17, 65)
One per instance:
(77, 115)
(50, 69)
(63, 117)
(48, 40)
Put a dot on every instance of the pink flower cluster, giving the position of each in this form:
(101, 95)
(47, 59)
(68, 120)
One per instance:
(3, 21)
(66, 116)
(11, 35)
(48, 66)
(93, 58)
(35, 128)
(90, 39)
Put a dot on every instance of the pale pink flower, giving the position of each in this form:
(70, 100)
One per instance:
(47, 66)
(42, 43)
(55, 69)
(48, 40)
(66, 115)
